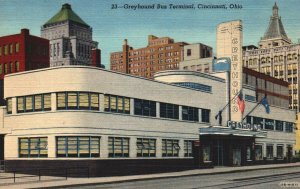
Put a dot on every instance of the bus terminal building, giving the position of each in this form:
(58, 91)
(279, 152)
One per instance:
(118, 124)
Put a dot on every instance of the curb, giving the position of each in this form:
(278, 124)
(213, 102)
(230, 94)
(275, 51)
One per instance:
(165, 177)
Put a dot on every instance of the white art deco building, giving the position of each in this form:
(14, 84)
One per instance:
(117, 124)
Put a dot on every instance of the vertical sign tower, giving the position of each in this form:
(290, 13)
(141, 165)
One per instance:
(229, 45)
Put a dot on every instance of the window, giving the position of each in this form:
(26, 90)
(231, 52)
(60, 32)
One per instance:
(10, 49)
(17, 66)
(197, 86)
(188, 148)
(5, 69)
(0, 51)
(144, 107)
(205, 115)
(170, 148)
(5, 49)
(17, 47)
(190, 113)
(279, 125)
(146, 147)
(258, 121)
(169, 111)
(33, 147)
(279, 151)
(250, 98)
(189, 52)
(78, 146)
(258, 152)
(270, 151)
(77, 101)
(206, 153)
(269, 124)
(1, 71)
(9, 105)
(289, 127)
(118, 104)
(118, 147)
(248, 153)
(34, 103)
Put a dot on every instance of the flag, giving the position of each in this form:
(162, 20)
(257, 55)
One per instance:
(265, 103)
(241, 102)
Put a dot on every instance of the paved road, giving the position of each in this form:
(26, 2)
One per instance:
(271, 178)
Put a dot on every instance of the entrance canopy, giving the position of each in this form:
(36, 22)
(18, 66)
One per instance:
(217, 130)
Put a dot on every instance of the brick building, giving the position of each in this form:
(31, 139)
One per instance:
(22, 52)
(160, 54)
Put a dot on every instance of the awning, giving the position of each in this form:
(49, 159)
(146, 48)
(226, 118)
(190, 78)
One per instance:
(217, 130)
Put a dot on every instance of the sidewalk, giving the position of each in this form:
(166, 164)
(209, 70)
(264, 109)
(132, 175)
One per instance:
(56, 182)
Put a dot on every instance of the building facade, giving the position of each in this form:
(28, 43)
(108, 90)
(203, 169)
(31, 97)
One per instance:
(130, 125)
(160, 54)
(22, 52)
(277, 57)
(71, 39)
(197, 57)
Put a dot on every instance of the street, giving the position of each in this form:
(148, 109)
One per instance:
(270, 178)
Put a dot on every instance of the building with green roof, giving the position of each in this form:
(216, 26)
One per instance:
(70, 38)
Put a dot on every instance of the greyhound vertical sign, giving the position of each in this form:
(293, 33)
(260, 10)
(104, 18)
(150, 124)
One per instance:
(229, 44)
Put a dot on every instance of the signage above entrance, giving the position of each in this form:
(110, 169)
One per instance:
(241, 125)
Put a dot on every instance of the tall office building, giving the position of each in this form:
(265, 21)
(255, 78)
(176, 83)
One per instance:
(276, 56)
(160, 54)
(70, 38)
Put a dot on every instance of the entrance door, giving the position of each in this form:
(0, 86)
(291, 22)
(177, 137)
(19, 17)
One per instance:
(218, 158)
(236, 152)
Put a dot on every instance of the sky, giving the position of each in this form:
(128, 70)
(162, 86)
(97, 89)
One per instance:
(112, 26)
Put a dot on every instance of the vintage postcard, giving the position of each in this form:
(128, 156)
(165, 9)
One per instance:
(149, 94)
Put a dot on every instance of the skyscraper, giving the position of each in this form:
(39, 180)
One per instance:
(277, 57)
(70, 38)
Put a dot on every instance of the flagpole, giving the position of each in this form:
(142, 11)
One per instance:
(229, 102)
(253, 109)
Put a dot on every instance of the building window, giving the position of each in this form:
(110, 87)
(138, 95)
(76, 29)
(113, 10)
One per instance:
(169, 111)
(205, 115)
(118, 104)
(189, 52)
(77, 101)
(5, 49)
(146, 147)
(279, 125)
(289, 127)
(258, 121)
(269, 151)
(1, 69)
(10, 49)
(258, 152)
(11, 66)
(206, 153)
(17, 47)
(35, 103)
(188, 148)
(17, 66)
(78, 146)
(5, 69)
(0, 51)
(144, 107)
(269, 124)
(118, 147)
(33, 147)
(9, 105)
(197, 86)
(170, 148)
(279, 151)
(250, 98)
(190, 113)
